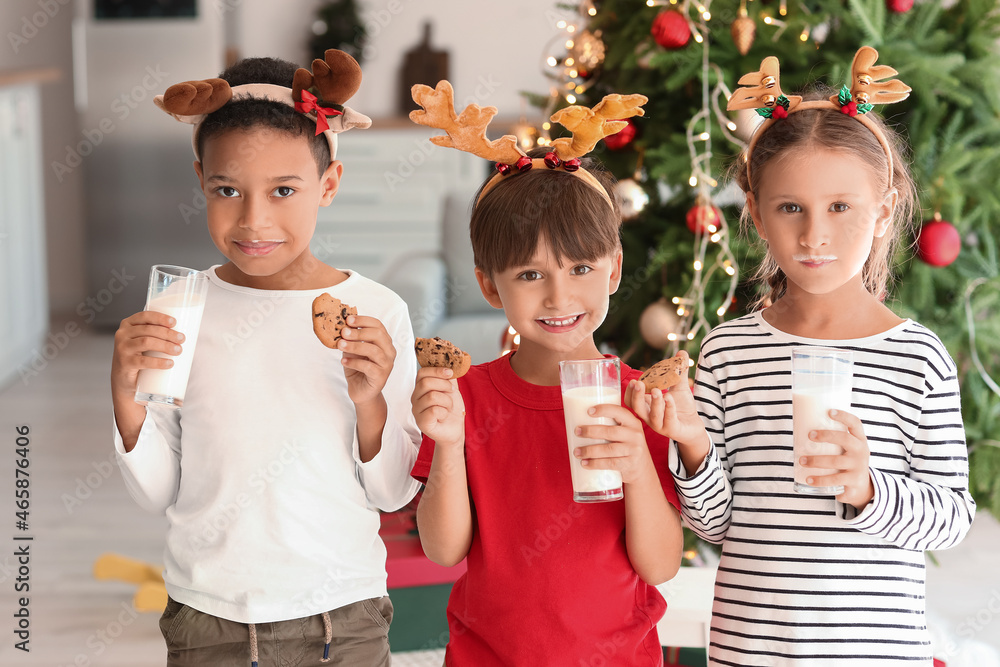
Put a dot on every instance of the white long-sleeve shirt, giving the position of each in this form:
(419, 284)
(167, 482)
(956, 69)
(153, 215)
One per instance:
(807, 580)
(272, 515)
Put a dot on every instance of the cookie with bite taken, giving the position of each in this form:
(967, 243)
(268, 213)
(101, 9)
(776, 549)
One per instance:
(440, 353)
(330, 318)
(665, 374)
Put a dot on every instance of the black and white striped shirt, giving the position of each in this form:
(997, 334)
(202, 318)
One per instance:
(807, 580)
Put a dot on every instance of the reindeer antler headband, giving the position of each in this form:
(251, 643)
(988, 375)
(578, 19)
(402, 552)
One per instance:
(467, 132)
(763, 93)
(337, 77)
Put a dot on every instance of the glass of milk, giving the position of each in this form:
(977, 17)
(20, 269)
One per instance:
(821, 381)
(584, 384)
(180, 293)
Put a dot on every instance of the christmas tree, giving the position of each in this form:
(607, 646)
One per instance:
(686, 56)
(337, 26)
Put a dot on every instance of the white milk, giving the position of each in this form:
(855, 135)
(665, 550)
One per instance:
(810, 412)
(172, 382)
(576, 402)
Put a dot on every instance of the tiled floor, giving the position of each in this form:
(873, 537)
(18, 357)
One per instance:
(80, 509)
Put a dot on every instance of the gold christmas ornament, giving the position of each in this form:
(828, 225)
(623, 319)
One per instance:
(588, 51)
(743, 31)
(657, 322)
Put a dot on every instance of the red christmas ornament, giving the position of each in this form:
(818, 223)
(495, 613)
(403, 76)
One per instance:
(701, 219)
(623, 137)
(671, 29)
(938, 243)
(899, 6)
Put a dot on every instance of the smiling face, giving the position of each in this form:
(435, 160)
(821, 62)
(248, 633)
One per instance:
(820, 212)
(263, 192)
(554, 303)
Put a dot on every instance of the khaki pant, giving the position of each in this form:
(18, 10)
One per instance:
(360, 638)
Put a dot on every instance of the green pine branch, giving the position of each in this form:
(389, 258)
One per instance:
(951, 122)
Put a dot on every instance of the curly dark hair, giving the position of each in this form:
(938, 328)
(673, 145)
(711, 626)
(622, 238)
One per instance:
(247, 114)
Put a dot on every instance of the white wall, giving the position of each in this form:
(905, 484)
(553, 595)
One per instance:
(46, 43)
(495, 48)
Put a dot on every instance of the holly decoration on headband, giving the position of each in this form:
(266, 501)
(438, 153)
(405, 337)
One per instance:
(849, 106)
(778, 111)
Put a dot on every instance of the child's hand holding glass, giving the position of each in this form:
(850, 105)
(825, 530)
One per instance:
(852, 465)
(625, 449)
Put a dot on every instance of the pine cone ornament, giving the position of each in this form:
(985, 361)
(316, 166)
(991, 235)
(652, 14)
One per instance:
(743, 31)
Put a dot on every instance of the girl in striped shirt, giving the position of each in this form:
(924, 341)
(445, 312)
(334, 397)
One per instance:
(835, 580)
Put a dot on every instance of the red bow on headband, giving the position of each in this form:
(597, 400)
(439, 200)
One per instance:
(309, 105)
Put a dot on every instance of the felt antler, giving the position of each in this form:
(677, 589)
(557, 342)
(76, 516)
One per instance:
(467, 130)
(337, 78)
(763, 90)
(865, 74)
(194, 98)
(591, 125)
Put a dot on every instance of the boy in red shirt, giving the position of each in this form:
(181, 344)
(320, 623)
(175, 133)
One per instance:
(549, 581)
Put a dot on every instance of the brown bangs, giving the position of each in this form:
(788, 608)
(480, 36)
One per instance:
(555, 205)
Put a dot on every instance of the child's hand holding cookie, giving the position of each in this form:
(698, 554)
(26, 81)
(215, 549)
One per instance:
(368, 357)
(671, 412)
(437, 402)
(367, 346)
(438, 406)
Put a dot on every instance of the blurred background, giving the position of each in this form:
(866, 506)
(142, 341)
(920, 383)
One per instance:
(96, 185)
